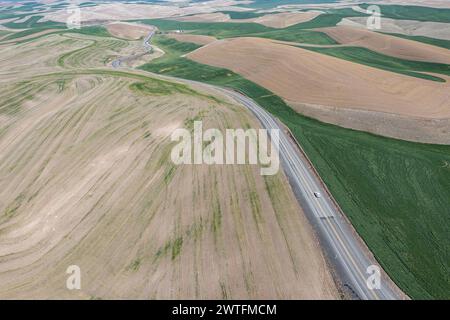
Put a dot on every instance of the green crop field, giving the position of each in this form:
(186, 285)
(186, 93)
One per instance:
(243, 14)
(93, 54)
(329, 19)
(98, 31)
(33, 22)
(266, 4)
(231, 29)
(414, 13)
(217, 29)
(8, 14)
(385, 62)
(31, 25)
(23, 33)
(300, 32)
(435, 42)
(396, 193)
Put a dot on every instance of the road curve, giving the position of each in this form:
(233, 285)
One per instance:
(147, 47)
(348, 255)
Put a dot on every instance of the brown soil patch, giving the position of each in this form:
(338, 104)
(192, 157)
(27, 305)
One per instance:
(389, 45)
(302, 76)
(285, 19)
(436, 131)
(198, 39)
(438, 30)
(128, 30)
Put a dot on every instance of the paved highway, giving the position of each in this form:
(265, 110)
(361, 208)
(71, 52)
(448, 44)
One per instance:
(343, 247)
(337, 237)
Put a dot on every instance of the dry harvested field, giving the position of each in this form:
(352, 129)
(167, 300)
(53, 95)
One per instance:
(6, 21)
(425, 3)
(438, 30)
(116, 11)
(275, 20)
(128, 31)
(350, 3)
(129, 11)
(284, 19)
(435, 131)
(32, 61)
(302, 76)
(389, 45)
(86, 179)
(205, 17)
(30, 36)
(193, 38)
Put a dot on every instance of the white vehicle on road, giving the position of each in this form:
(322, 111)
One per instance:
(317, 194)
